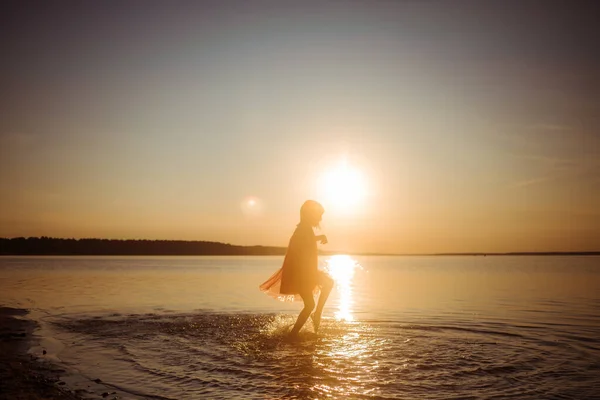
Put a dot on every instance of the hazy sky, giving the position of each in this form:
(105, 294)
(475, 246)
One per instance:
(475, 124)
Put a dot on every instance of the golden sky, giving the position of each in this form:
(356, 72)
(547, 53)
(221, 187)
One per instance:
(471, 127)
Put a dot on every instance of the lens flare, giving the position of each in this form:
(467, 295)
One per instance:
(251, 206)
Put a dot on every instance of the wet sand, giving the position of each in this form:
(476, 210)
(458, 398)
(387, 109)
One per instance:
(22, 375)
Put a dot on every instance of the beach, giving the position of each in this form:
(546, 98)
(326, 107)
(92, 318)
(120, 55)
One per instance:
(22, 375)
(29, 375)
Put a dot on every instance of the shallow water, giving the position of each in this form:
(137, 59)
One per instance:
(395, 327)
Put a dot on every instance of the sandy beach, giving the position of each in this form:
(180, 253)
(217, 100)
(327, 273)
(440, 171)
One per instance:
(28, 376)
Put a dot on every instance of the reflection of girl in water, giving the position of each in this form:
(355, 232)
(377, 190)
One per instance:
(299, 275)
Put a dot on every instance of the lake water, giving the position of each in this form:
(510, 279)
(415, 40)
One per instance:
(394, 327)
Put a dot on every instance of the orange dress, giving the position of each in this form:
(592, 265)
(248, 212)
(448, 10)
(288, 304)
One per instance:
(299, 273)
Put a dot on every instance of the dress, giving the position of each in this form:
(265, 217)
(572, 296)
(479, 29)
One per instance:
(299, 272)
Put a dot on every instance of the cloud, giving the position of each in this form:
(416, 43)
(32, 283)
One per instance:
(533, 181)
(562, 168)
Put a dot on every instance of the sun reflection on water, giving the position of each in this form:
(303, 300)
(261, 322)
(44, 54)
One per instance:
(347, 361)
(341, 268)
(347, 356)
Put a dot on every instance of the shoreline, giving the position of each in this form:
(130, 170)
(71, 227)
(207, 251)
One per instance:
(25, 375)
(54, 246)
(22, 375)
(325, 253)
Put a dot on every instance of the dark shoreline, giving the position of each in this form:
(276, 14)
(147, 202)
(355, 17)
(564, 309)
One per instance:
(118, 247)
(22, 375)
(48, 246)
(525, 254)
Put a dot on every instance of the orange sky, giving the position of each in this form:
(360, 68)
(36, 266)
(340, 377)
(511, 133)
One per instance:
(474, 126)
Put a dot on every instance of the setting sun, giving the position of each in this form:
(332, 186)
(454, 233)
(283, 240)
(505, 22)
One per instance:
(342, 187)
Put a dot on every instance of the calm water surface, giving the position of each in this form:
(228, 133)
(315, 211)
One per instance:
(394, 328)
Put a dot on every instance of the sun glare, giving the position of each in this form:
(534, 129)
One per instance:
(341, 268)
(342, 188)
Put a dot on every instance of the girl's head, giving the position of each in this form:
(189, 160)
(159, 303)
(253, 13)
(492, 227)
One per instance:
(311, 213)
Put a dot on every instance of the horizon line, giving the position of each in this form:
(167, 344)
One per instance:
(327, 252)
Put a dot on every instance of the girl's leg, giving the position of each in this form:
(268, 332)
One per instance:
(326, 284)
(309, 305)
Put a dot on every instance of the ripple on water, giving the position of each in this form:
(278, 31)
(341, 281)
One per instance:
(247, 355)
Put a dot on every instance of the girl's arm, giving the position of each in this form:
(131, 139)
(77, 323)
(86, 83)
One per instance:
(321, 238)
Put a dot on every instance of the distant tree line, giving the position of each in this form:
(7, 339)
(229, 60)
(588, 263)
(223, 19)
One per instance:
(55, 246)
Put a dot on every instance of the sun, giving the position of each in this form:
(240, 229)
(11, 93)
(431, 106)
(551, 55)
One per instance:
(342, 187)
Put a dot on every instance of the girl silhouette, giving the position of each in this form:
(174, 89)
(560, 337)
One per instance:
(299, 275)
